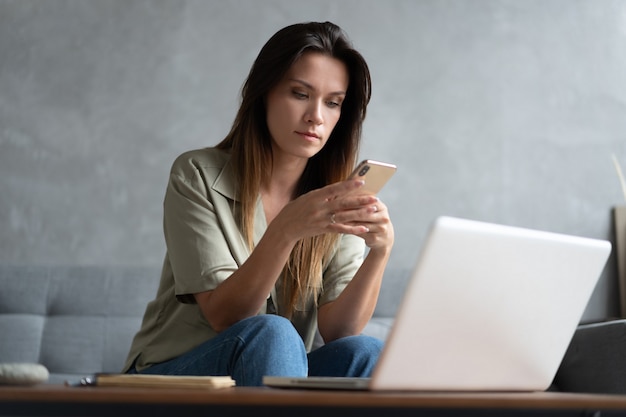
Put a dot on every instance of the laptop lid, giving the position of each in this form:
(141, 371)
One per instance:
(489, 308)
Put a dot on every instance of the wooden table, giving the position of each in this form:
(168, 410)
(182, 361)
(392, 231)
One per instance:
(51, 400)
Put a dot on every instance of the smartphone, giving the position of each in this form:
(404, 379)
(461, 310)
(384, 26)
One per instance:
(374, 173)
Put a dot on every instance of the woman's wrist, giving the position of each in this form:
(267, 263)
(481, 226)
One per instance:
(379, 252)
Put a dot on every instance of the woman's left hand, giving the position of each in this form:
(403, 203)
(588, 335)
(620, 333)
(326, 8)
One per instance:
(377, 230)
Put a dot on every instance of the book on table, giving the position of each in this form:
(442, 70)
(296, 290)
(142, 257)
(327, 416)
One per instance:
(160, 381)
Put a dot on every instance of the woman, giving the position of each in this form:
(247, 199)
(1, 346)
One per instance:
(265, 237)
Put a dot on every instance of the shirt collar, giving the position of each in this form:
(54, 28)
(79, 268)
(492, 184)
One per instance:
(225, 182)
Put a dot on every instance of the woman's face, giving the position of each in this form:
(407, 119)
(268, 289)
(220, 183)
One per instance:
(304, 107)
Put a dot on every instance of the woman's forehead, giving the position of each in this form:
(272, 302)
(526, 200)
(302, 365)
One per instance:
(320, 72)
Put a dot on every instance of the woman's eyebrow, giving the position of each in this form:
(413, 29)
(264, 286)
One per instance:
(310, 87)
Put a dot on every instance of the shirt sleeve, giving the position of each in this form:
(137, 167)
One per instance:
(342, 267)
(197, 246)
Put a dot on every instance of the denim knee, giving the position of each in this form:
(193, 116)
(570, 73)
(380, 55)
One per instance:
(361, 348)
(363, 344)
(274, 330)
(353, 356)
(270, 346)
(269, 323)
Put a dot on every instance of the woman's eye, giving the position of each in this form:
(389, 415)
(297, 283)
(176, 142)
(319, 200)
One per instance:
(300, 95)
(333, 104)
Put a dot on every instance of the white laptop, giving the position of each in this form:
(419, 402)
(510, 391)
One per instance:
(488, 308)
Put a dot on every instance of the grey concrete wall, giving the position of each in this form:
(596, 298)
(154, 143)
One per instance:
(505, 111)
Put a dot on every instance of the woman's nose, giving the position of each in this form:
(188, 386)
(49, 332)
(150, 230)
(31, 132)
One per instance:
(314, 113)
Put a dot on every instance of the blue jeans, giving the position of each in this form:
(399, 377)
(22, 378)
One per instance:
(270, 345)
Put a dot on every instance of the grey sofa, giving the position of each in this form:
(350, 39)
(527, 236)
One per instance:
(78, 321)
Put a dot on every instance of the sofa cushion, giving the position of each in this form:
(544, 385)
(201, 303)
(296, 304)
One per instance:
(73, 320)
(379, 327)
(595, 361)
(392, 290)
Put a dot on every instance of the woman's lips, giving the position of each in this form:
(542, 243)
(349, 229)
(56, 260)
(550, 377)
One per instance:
(309, 135)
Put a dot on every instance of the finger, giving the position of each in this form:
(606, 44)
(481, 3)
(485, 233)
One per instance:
(352, 204)
(332, 191)
(369, 214)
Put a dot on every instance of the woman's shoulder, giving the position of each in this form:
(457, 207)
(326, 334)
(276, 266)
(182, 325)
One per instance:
(204, 159)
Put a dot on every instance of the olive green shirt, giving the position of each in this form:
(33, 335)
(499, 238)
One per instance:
(204, 247)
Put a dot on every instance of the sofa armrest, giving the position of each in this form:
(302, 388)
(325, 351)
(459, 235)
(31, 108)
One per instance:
(595, 361)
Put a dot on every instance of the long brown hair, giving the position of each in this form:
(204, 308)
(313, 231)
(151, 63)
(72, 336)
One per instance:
(250, 143)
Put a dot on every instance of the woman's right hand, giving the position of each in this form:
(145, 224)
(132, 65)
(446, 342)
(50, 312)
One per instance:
(316, 212)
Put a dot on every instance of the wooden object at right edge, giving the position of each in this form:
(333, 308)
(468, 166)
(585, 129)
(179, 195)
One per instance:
(619, 215)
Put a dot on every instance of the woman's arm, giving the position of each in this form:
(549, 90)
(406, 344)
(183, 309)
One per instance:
(243, 294)
(350, 312)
